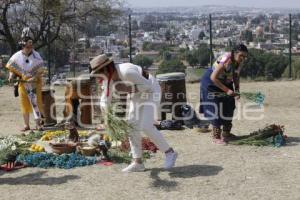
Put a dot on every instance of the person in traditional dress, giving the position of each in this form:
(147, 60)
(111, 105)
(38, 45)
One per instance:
(27, 65)
(143, 89)
(218, 90)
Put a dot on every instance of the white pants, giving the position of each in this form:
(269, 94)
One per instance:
(143, 110)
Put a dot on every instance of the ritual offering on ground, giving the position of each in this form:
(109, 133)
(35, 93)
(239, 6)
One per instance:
(270, 135)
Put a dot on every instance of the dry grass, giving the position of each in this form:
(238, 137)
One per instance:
(203, 171)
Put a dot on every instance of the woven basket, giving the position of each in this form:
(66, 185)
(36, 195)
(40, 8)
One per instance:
(61, 148)
(87, 150)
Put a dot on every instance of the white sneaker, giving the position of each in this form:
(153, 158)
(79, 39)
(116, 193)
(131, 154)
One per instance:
(134, 167)
(170, 159)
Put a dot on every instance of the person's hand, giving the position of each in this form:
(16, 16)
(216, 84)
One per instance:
(230, 93)
(10, 78)
(30, 79)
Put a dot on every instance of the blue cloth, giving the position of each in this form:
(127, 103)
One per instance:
(218, 110)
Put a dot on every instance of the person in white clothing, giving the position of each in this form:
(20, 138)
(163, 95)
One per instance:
(144, 92)
(27, 65)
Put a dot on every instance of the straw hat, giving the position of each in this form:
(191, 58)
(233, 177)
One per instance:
(99, 62)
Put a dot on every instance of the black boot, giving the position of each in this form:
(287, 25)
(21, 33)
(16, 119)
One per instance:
(216, 133)
(217, 138)
(226, 134)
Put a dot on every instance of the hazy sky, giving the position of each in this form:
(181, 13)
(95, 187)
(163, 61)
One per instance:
(190, 3)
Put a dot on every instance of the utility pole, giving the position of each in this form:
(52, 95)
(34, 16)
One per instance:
(290, 48)
(48, 50)
(130, 38)
(210, 41)
(74, 41)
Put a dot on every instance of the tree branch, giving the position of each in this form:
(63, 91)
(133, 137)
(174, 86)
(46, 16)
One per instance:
(6, 28)
(45, 42)
(2, 33)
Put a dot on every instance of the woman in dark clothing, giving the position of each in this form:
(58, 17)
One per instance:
(219, 87)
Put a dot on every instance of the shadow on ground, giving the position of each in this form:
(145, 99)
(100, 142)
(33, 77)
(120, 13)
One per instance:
(293, 141)
(189, 171)
(37, 179)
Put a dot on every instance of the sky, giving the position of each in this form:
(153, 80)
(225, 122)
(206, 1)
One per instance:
(191, 3)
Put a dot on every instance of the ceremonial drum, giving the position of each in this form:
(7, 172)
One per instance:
(78, 98)
(49, 107)
(173, 93)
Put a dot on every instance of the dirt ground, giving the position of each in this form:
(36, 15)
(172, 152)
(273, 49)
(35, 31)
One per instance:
(203, 170)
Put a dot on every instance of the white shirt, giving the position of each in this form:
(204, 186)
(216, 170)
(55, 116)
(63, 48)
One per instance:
(26, 65)
(131, 74)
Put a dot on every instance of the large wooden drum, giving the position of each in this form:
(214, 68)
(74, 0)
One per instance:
(78, 98)
(173, 93)
(49, 107)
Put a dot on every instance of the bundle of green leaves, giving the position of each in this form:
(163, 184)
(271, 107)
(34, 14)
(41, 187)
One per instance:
(10, 147)
(117, 128)
(261, 137)
(256, 97)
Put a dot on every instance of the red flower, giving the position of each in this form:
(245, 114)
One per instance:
(147, 145)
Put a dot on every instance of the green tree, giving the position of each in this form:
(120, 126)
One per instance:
(143, 61)
(204, 52)
(166, 55)
(146, 46)
(183, 53)
(49, 20)
(168, 35)
(192, 59)
(259, 19)
(247, 35)
(295, 70)
(261, 64)
(267, 29)
(4, 48)
(149, 46)
(169, 66)
(260, 39)
(124, 53)
(200, 56)
(152, 23)
(201, 35)
(134, 25)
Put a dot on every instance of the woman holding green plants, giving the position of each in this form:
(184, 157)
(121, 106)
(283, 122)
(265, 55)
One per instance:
(219, 88)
